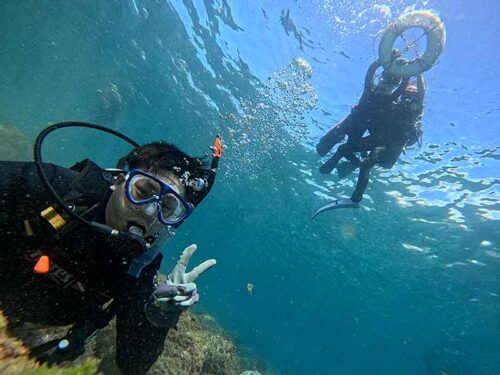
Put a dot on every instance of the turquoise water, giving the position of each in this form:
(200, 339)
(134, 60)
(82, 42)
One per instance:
(407, 284)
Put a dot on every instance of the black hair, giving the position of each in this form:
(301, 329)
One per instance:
(162, 156)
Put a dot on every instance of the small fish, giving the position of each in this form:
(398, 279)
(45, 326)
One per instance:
(250, 288)
(345, 55)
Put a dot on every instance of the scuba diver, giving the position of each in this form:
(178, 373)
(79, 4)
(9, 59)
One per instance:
(385, 143)
(82, 245)
(392, 124)
(375, 102)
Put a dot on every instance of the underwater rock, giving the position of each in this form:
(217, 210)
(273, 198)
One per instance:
(15, 359)
(195, 348)
(250, 373)
(13, 144)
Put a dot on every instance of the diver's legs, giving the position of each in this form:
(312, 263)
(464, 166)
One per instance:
(389, 157)
(347, 167)
(353, 159)
(364, 174)
(333, 136)
(333, 161)
(363, 146)
(355, 143)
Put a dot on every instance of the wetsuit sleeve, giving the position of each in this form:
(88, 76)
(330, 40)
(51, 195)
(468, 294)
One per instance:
(421, 91)
(138, 342)
(370, 73)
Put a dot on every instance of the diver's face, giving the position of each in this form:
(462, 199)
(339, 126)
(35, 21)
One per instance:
(121, 213)
(384, 87)
(387, 84)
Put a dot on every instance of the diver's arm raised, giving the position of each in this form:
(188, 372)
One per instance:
(370, 73)
(139, 343)
(178, 293)
(146, 312)
(421, 89)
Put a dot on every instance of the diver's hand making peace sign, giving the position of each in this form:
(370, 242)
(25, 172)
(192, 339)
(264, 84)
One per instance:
(177, 293)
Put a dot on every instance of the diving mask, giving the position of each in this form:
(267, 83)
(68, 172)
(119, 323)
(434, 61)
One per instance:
(158, 197)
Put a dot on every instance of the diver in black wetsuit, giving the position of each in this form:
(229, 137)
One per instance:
(385, 143)
(388, 140)
(56, 271)
(375, 102)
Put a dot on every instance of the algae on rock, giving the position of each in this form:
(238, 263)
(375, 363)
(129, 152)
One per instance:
(15, 359)
(189, 350)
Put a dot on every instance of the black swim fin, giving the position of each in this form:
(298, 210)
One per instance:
(345, 168)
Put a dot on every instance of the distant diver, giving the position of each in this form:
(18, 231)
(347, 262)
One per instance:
(390, 111)
(375, 102)
(388, 138)
(82, 245)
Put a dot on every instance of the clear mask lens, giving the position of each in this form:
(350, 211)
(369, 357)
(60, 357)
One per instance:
(143, 188)
(172, 208)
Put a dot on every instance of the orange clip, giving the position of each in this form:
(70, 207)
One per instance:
(43, 265)
(217, 148)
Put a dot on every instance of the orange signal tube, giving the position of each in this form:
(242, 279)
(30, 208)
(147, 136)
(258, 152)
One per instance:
(218, 150)
(43, 265)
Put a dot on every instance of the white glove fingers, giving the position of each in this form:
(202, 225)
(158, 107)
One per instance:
(186, 256)
(177, 274)
(181, 298)
(190, 302)
(200, 269)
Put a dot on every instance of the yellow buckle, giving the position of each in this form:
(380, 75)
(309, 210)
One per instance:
(54, 219)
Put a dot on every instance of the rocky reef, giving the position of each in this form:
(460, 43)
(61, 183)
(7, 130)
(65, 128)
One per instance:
(197, 347)
(191, 349)
(15, 358)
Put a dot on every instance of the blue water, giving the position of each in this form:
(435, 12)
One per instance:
(407, 284)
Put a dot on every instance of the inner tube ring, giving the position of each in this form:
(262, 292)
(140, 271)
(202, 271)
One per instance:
(436, 39)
